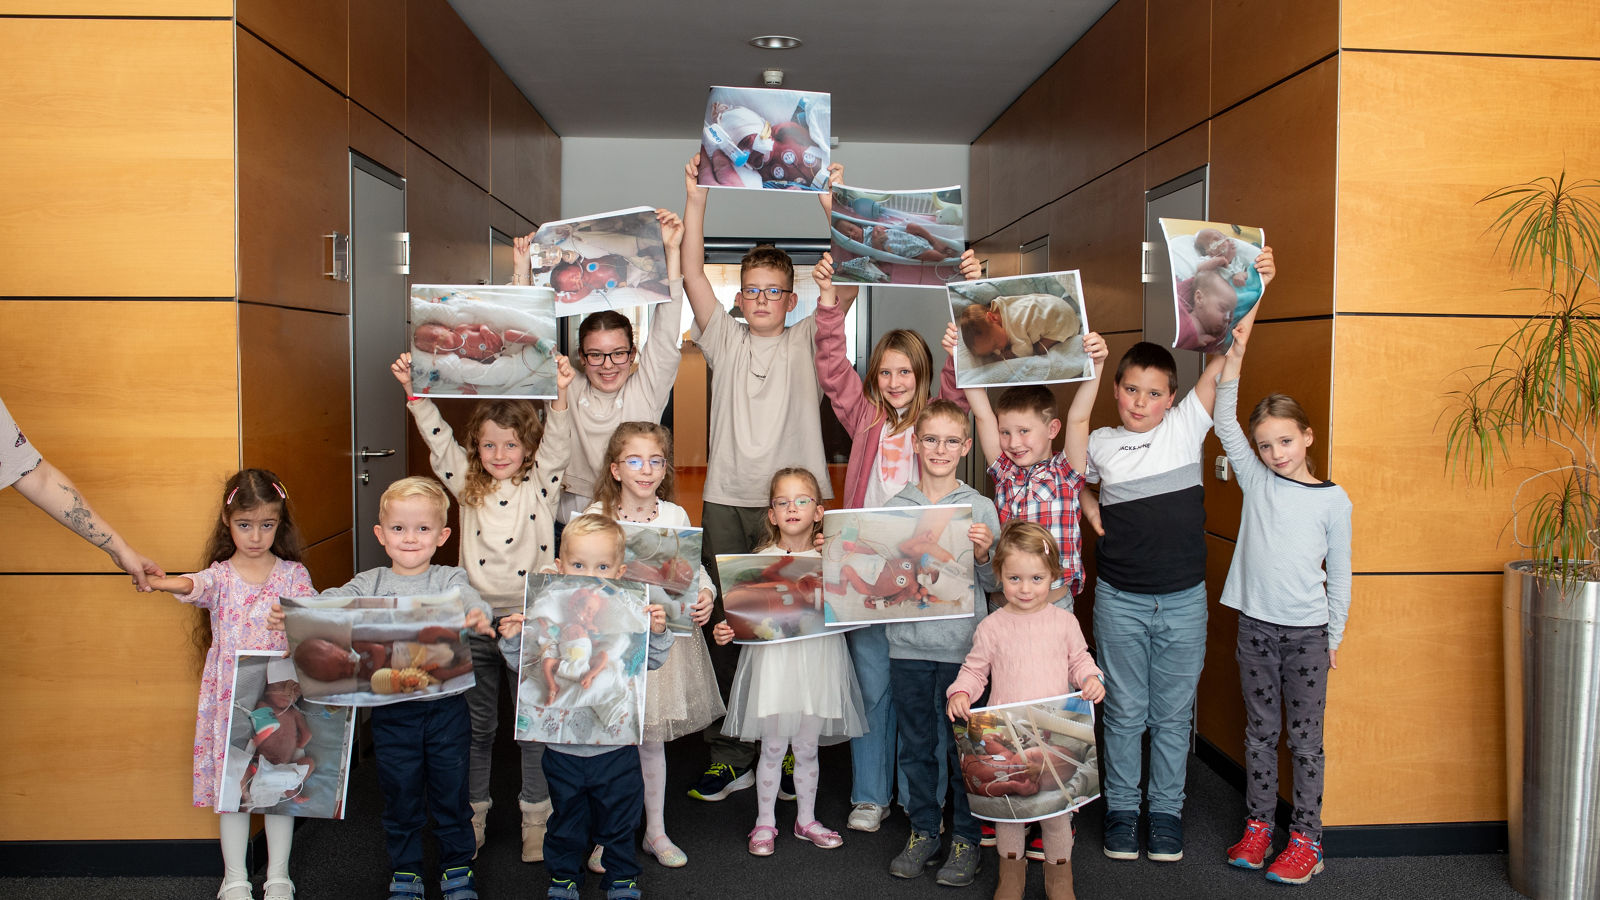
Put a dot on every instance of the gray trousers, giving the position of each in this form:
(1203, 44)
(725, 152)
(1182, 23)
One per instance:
(1283, 673)
(483, 705)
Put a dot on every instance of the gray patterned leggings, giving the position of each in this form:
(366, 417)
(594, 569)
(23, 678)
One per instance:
(1287, 668)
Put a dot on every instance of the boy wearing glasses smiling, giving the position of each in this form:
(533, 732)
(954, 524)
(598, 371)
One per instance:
(765, 415)
(925, 658)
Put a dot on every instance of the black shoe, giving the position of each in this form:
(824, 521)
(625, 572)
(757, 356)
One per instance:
(1121, 839)
(1165, 843)
(786, 783)
(720, 780)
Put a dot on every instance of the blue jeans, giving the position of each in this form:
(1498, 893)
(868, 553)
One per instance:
(872, 755)
(1152, 647)
(421, 748)
(927, 750)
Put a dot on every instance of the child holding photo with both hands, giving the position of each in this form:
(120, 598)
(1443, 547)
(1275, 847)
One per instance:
(1290, 581)
(254, 555)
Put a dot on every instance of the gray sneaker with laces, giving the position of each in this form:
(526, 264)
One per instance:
(961, 865)
(918, 855)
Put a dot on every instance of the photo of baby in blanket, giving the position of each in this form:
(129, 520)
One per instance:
(1021, 330)
(912, 238)
(1028, 761)
(483, 341)
(614, 260)
(764, 139)
(1214, 280)
(283, 756)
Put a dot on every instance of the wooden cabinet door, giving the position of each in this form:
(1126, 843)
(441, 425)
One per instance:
(314, 33)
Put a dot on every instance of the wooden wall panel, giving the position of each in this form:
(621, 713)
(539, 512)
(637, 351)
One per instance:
(1410, 174)
(1005, 183)
(1390, 414)
(148, 433)
(544, 148)
(1256, 43)
(976, 192)
(295, 410)
(313, 33)
(1220, 717)
(378, 59)
(1097, 229)
(1178, 156)
(123, 130)
(520, 144)
(208, 8)
(1429, 647)
(59, 714)
(447, 88)
(1273, 164)
(294, 176)
(1545, 28)
(370, 137)
(448, 221)
(1102, 127)
(999, 252)
(331, 561)
(1178, 60)
(505, 219)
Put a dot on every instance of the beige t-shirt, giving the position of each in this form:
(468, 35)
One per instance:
(766, 410)
(1030, 318)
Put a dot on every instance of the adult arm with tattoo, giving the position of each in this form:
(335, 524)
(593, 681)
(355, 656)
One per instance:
(52, 491)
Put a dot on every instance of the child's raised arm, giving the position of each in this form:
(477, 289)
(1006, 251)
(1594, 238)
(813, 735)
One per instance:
(696, 286)
(1077, 437)
(401, 369)
(1206, 387)
(983, 418)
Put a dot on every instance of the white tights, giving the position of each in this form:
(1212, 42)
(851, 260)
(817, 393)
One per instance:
(653, 765)
(235, 832)
(770, 771)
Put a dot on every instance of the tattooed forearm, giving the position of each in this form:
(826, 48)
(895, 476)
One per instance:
(81, 519)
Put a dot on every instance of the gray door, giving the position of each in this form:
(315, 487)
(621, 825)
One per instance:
(378, 255)
(1181, 198)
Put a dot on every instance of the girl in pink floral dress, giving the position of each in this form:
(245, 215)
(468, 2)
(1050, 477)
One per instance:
(254, 553)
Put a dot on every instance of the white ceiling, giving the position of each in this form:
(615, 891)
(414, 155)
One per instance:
(900, 71)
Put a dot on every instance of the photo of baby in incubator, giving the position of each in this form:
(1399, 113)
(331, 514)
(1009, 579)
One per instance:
(1214, 280)
(912, 238)
(613, 260)
(1022, 762)
(898, 564)
(582, 660)
(1021, 330)
(283, 756)
(481, 341)
(765, 139)
(373, 651)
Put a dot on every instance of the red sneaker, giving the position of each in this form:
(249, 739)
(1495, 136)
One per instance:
(1035, 849)
(1251, 851)
(1298, 861)
(986, 835)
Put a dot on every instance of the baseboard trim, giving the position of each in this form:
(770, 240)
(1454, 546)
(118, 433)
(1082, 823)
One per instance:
(1419, 839)
(56, 859)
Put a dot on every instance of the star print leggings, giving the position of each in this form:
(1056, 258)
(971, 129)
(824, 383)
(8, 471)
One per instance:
(1285, 668)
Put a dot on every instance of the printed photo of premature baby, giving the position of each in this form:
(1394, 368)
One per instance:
(1022, 762)
(481, 341)
(1214, 280)
(912, 238)
(284, 756)
(614, 260)
(373, 651)
(1027, 329)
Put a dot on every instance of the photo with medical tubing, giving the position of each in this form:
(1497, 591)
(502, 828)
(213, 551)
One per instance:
(897, 564)
(1022, 762)
(908, 238)
(667, 560)
(766, 139)
(1025, 329)
(374, 651)
(1214, 280)
(283, 756)
(612, 260)
(483, 341)
(581, 672)
(770, 598)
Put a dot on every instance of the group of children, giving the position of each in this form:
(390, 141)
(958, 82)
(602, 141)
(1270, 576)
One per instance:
(598, 458)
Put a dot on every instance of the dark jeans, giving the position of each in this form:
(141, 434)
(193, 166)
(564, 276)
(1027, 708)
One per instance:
(1279, 664)
(594, 800)
(489, 669)
(421, 746)
(919, 703)
(728, 529)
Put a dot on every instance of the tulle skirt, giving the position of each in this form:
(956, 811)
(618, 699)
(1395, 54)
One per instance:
(777, 684)
(681, 697)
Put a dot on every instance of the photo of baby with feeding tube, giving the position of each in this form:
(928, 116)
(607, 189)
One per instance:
(667, 561)
(480, 341)
(900, 564)
(284, 756)
(911, 238)
(1023, 762)
(614, 260)
(1026, 329)
(766, 139)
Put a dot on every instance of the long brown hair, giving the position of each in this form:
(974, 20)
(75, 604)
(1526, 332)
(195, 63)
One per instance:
(773, 535)
(1281, 406)
(914, 349)
(608, 490)
(604, 320)
(521, 417)
(247, 490)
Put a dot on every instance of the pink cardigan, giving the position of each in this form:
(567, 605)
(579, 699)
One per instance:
(859, 417)
(1026, 656)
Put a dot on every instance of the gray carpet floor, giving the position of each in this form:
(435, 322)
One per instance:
(338, 860)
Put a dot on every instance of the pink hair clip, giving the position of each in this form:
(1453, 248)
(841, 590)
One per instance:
(281, 492)
(229, 501)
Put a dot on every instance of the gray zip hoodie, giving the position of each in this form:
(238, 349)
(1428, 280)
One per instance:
(946, 640)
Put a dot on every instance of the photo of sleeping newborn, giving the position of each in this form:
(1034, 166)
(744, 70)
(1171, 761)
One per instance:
(482, 341)
(581, 672)
(284, 756)
(1026, 329)
(1022, 762)
(912, 238)
(373, 651)
(613, 260)
(667, 561)
(765, 139)
(1214, 280)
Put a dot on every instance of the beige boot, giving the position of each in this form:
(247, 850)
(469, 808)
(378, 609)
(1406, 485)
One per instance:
(534, 817)
(480, 817)
(1058, 880)
(1013, 878)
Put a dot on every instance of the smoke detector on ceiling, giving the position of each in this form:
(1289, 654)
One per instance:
(772, 77)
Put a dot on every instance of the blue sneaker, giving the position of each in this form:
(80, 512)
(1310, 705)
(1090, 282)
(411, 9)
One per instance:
(563, 890)
(405, 886)
(457, 884)
(1165, 843)
(1122, 834)
(627, 889)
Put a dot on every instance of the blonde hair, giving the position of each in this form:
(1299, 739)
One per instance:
(521, 417)
(1281, 406)
(594, 523)
(915, 349)
(1020, 538)
(804, 474)
(607, 489)
(416, 487)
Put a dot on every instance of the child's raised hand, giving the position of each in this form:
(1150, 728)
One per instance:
(958, 706)
(564, 373)
(971, 269)
(722, 633)
(1094, 690)
(522, 254)
(511, 625)
(835, 176)
(700, 612)
(1266, 266)
(952, 335)
(1241, 336)
(982, 539)
(691, 179)
(479, 622)
(658, 618)
(1095, 346)
(401, 369)
(671, 228)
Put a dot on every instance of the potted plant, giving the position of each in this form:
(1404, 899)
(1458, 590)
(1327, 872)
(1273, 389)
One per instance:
(1534, 410)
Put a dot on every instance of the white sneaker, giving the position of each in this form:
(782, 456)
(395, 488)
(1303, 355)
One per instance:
(866, 817)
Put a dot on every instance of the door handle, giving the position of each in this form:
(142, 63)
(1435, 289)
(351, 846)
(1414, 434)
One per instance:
(374, 454)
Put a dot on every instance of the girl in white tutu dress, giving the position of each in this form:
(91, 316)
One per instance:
(798, 693)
